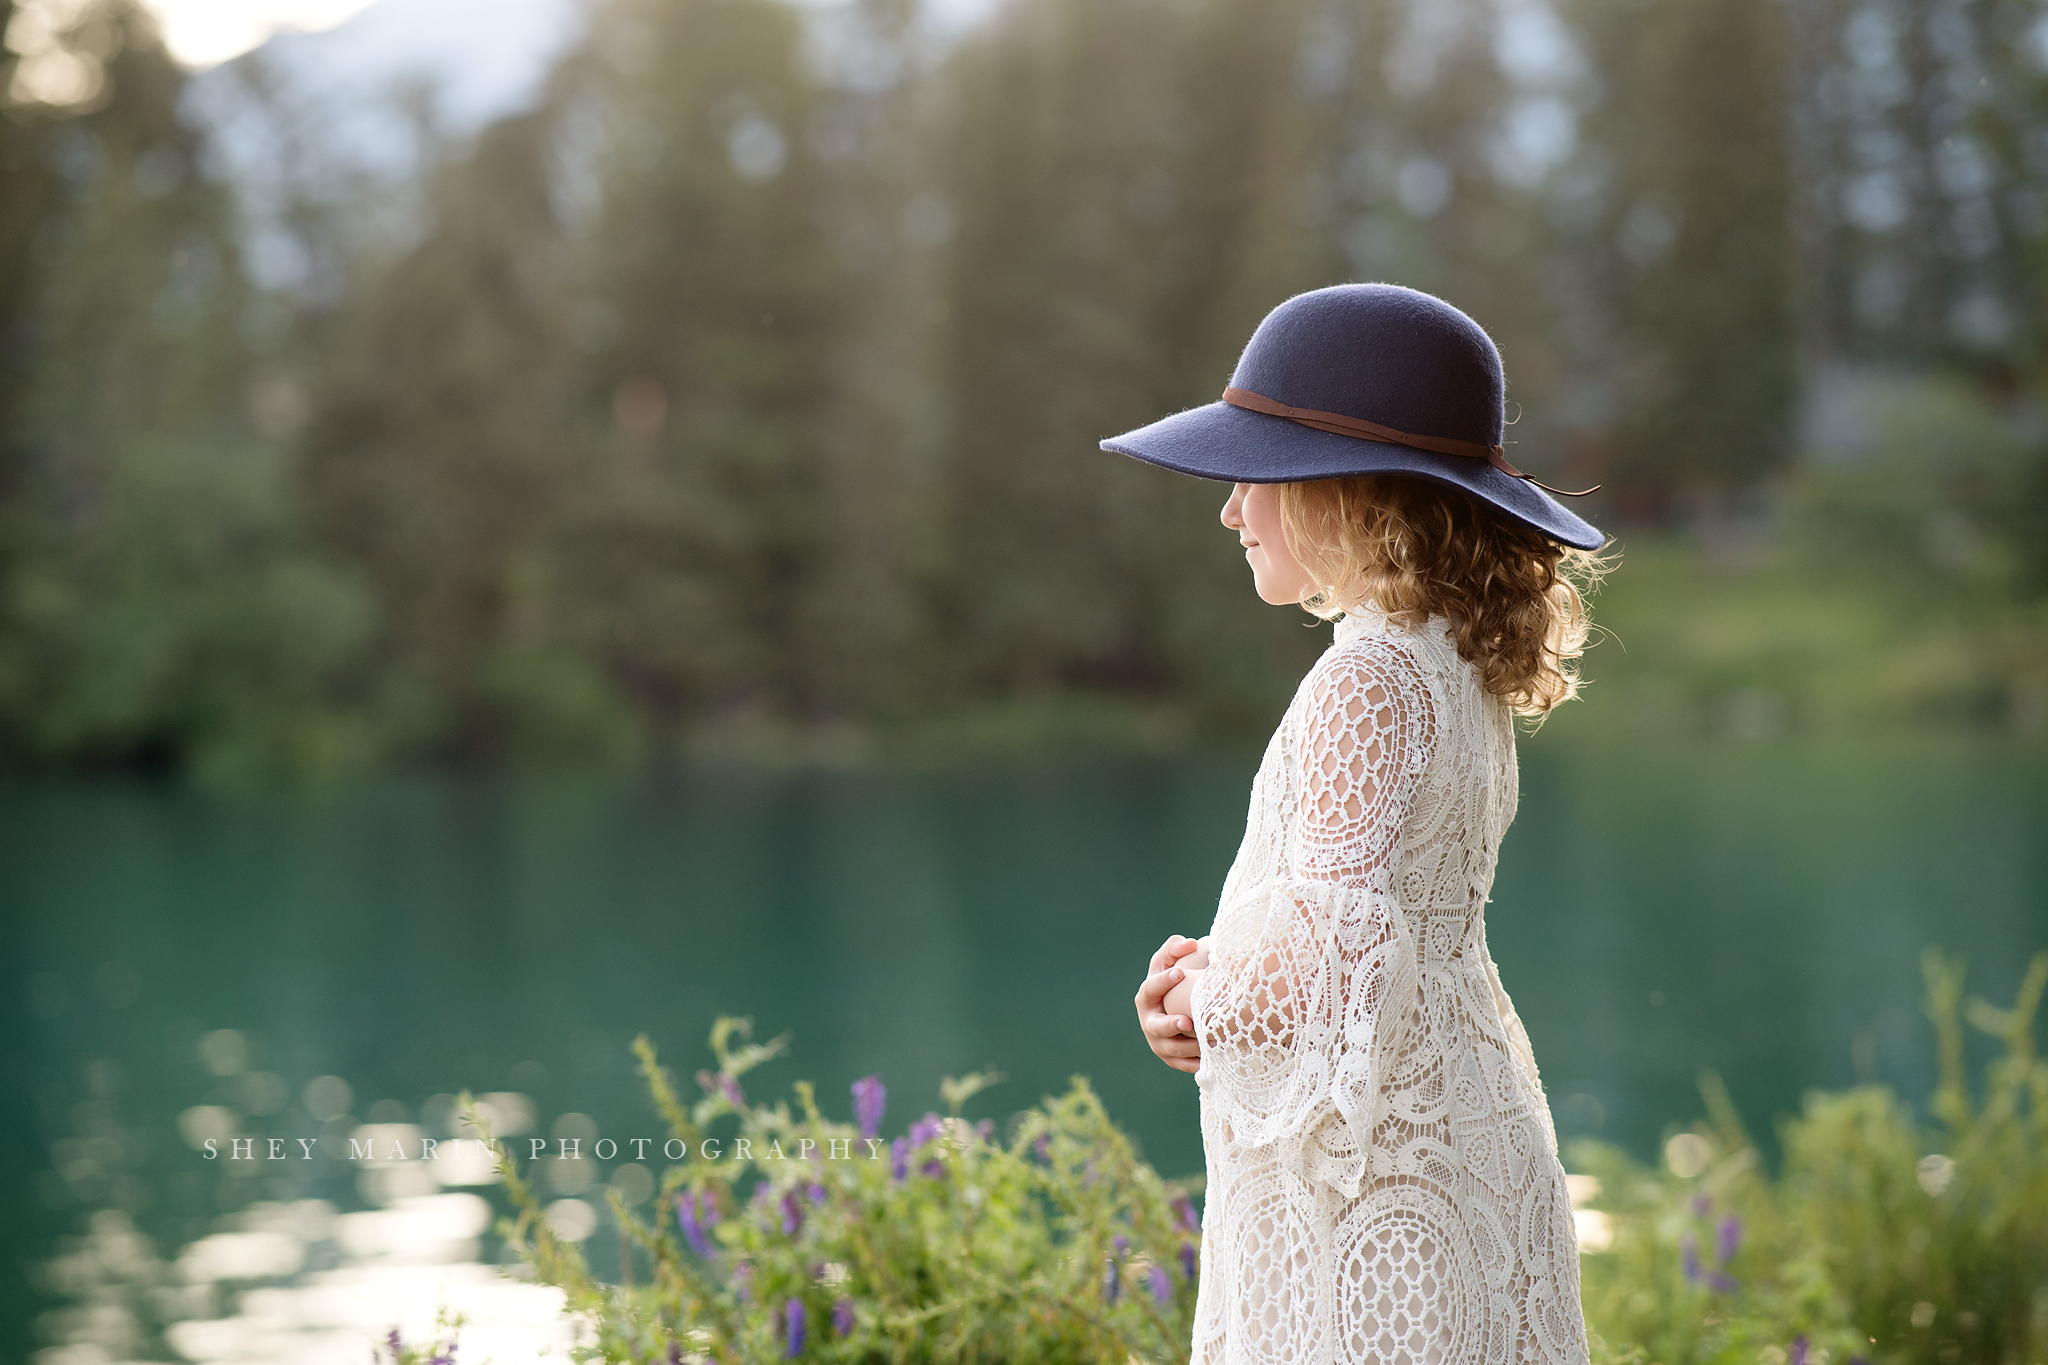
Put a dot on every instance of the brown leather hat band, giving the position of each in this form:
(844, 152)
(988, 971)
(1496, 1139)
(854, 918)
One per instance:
(1341, 425)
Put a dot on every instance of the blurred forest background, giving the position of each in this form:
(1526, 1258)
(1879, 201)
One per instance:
(744, 391)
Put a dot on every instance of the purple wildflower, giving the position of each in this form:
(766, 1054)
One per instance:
(1797, 1355)
(842, 1317)
(1184, 1214)
(1044, 1148)
(1727, 1238)
(899, 1159)
(729, 1086)
(675, 1353)
(1187, 1261)
(1689, 1256)
(792, 1214)
(870, 1098)
(925, 1129)
(1112, 1283)
(1701, 1206)
(1723, 1284)
(1122, 1245)
(397, 1346)
(985, 1130)
(1162, 1284)
(816, 1192)
(935, 1169)
(696, 1215)
(794, 1322)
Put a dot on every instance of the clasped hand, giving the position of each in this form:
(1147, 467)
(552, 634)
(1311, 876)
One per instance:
(1164, 1003)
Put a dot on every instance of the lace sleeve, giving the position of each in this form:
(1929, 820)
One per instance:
(1291, 1012)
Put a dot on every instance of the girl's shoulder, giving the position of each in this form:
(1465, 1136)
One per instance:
(1377, 658)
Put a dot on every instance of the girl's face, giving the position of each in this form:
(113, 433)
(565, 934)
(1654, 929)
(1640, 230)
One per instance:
(1254, 513)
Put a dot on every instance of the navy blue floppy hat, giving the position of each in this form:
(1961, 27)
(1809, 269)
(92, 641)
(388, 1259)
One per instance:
(1362, 379)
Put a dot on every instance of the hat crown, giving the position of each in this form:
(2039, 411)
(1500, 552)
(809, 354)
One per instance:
(1382, 353)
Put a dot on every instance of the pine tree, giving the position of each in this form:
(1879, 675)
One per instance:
(713, 308)
(157, 608)
(436, 459)
(1694, 127)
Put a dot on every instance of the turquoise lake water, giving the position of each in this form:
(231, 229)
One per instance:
(1660, 909)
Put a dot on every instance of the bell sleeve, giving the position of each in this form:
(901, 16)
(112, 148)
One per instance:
(1312, 975)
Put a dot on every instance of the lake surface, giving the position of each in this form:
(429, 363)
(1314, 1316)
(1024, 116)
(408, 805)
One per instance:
(1660, 909)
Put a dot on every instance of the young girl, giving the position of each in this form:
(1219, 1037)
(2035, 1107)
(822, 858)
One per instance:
(1383, 1183)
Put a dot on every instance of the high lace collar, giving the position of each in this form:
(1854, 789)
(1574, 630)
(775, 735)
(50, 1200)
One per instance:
(1368, 619)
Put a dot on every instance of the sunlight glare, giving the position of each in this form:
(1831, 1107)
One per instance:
(203, 33)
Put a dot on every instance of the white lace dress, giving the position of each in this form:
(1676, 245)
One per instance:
(1383, 1182)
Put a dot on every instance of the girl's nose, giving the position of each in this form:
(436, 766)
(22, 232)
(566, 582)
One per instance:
(1233, 508)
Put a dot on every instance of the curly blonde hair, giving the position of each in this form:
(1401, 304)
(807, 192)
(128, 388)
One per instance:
(1515, 598)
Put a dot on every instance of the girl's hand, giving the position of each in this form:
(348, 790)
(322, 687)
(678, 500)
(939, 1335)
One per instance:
(1170, 1036)
(1180, 1001)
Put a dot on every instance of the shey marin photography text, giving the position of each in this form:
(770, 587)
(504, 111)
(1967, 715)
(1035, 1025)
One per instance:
(374, 1148)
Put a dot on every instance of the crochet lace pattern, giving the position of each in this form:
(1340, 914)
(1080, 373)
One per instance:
(1383, 1182)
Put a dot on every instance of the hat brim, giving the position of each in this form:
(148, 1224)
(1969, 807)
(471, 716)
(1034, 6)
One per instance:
(1234, 445)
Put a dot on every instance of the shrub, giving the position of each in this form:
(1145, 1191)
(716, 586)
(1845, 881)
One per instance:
(1880, 1240)
(782, 1234)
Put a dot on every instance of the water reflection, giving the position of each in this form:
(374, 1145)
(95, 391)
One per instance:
(406, 1269)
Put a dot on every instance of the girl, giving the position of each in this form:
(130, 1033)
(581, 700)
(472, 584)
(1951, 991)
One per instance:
(1383, 1182)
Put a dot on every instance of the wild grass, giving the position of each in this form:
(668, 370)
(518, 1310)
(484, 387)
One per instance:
(1882, 1239)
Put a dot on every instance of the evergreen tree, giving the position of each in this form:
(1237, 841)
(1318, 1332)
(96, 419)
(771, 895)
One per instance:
(1926, 181)
(758, 370)
(157, 607)
(1694, 130)
(712, 311)
(1114, 166)
(437, 457)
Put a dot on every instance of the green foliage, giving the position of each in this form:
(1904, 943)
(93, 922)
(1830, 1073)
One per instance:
(1891, 578)
(1704, 314)
(1934, 485)
(784, 1234)
(160, 600)
(1879, 1240)
(1704, 1268)
(1945, 1251)
(749, 384)
(192, 620)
